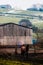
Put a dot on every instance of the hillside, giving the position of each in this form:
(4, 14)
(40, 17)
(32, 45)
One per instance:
(36, 17)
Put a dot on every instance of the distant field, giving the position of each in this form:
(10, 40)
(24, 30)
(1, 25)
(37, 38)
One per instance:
(14, 19)
(33, 16)
(4, 19)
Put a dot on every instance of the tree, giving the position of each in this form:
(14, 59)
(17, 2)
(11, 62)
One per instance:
(35, 30)
(25, 22)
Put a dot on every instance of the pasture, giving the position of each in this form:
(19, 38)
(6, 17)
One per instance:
(36, 17)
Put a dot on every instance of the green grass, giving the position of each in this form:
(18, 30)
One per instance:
(32, 12)
(12, 62)
(4, 19)
(38, 23)
(14, 19)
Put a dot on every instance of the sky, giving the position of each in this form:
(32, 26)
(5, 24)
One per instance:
(21, 4)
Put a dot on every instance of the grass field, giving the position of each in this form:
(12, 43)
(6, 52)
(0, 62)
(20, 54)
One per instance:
(12, 62)
(9, 62)
(4, 19)
(14, 19)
